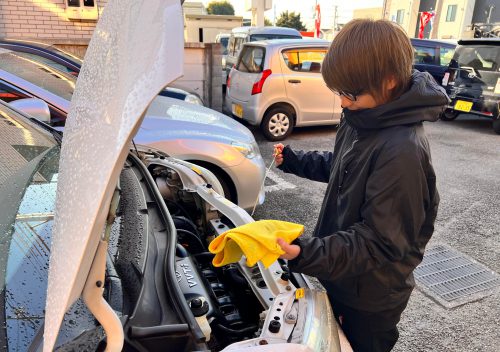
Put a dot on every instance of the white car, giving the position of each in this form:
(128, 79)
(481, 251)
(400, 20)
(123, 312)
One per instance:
(277, 85)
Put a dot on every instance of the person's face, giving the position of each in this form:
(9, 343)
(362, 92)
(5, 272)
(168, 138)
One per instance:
(365, 100)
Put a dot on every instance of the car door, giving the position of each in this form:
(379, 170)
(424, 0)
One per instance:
(304, 84)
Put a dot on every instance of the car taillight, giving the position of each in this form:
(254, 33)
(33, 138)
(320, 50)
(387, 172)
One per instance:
(257, 86)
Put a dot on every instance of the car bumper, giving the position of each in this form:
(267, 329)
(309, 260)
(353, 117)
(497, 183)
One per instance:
(251, 112)
(486, 105)
(249, 181)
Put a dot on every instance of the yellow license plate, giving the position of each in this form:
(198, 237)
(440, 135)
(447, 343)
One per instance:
(461, 105)
(238, 110)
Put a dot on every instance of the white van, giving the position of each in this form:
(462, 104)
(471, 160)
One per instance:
(241, 35)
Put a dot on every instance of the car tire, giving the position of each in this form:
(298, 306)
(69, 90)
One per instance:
(278, 123)
(448, 115)
(496, 125)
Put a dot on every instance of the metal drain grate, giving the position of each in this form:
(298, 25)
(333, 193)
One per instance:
(453, 279)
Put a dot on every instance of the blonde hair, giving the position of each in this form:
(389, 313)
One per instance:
(365, 54)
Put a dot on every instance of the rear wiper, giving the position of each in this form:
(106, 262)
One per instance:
(474, 72)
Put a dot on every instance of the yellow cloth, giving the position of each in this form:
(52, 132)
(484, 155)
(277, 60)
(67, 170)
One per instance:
(256, 240)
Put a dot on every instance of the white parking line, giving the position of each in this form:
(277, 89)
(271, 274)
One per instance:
(280, 184)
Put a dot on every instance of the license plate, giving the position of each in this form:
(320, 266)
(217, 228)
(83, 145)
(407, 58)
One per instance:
(238, 110)
(461, 105)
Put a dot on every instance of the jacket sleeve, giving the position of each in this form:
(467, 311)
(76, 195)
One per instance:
(312, 165)
(397, 199)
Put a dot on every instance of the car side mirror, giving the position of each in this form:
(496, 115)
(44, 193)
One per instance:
(34, 107)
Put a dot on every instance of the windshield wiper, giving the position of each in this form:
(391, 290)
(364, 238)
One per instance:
(55, 133)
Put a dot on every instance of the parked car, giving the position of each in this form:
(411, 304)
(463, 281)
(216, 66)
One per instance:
(223, 39)
(236, 301)
(63, 61)
(433, 56)
(186, 131)
(277, 85)
(473, 80)
(242, 35)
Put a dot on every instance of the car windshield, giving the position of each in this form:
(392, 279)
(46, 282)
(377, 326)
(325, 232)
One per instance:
(255, 37)
(480, 57)
(29, 159)
(41, 74)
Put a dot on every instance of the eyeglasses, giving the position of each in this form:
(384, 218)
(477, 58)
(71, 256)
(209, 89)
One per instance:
(350, 96)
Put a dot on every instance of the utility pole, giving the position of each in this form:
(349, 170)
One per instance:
(335, 18)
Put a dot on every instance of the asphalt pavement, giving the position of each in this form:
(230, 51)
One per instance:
(466, 158)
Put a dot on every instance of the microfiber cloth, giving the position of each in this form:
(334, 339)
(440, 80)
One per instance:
(255, 240)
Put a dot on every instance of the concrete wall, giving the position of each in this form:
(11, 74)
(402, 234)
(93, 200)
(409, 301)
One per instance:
(211, 25)
(203, 72)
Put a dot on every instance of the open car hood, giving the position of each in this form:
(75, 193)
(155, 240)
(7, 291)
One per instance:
(135, 51)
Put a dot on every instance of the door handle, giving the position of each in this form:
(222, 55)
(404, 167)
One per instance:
(294, 81)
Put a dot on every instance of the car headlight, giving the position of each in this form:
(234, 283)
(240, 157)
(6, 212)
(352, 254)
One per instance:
(247, 149)
(320, 329)
(193, 99)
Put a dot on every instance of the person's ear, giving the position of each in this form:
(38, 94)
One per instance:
(390, 83)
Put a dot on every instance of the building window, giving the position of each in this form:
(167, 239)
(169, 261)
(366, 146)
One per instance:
(451, 13)
(400, 16)
(82, 9)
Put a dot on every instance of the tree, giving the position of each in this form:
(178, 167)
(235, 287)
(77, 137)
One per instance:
(267, 22)
(290, 20)
(220, 8)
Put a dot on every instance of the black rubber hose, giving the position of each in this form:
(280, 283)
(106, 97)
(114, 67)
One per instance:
(192, 235)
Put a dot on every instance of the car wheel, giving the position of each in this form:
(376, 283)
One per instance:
(278, 123)
(496, 125)
(448, 115)
(224, 179)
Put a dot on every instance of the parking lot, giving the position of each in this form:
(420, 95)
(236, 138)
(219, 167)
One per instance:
(465, 156)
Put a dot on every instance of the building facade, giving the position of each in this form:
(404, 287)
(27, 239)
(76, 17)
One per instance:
(453, 19)
(67, 23)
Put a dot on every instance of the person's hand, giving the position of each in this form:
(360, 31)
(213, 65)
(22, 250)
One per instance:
(278, 154)
(292, 251)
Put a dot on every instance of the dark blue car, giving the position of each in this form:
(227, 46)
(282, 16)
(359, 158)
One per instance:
(433, 56)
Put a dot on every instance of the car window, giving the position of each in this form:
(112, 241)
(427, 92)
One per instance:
(255, 37)
(484, 58)
(251, 59)
(42, 75)
(424, 55)
(230, 46)
(304, 60)
(224, 42)
(238, 42)
(47, 61)
(445, 55)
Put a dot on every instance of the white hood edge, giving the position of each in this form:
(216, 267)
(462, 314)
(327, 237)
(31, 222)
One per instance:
(135, 51)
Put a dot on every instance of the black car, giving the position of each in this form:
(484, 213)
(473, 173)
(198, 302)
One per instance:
(473, 80)
(432, 56)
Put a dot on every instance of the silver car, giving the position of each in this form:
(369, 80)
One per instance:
(277, 85)
(185, 131)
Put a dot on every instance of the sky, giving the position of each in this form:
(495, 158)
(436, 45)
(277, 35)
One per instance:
(306, 9)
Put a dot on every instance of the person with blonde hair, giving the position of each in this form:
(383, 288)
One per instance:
(381, 202)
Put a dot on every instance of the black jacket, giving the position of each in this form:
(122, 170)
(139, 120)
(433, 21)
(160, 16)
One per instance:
(381, 202)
